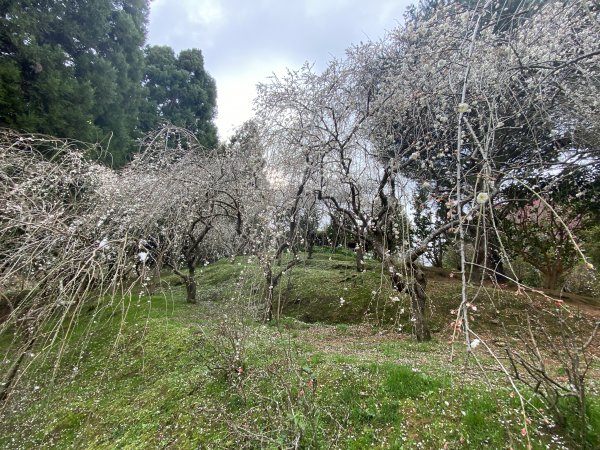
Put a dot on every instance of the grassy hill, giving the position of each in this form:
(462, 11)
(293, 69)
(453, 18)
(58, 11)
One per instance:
(151, 371)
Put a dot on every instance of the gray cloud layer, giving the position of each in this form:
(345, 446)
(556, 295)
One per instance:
(245, 41)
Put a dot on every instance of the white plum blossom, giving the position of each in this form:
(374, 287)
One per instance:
(463, 108)
(482, 198)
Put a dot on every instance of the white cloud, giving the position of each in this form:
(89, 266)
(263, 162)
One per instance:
(320, 8)
(237, 89)
(234, 99)
(205, 12)
(390, 13)
(244, 42)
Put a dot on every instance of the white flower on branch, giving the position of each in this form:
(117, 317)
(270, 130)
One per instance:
(475, 343)
(482, 198)
(463, 108)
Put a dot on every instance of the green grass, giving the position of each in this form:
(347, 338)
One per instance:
(161, 373)
(313, 292)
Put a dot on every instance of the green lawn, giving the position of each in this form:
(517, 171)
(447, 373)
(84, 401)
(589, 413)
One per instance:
(165, 374)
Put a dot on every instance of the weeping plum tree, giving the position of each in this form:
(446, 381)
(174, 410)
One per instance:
(448, 102)
(329, 117)
(73, 232)
(200, 199)
(286, 198)
(54, 252)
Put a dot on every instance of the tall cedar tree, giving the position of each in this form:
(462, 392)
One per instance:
(73, 69)
(179, 92)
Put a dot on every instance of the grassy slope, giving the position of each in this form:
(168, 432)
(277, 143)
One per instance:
(159, 375)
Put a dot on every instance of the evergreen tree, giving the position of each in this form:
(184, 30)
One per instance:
(181, 92)
(73, 69)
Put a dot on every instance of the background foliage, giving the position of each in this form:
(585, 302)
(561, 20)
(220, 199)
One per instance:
(78, 69)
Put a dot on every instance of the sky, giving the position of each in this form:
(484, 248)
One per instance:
(246, 41)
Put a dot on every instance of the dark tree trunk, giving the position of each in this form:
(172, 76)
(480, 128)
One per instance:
(271, 282)
(415, 286)
(551, 276)
(438, 255)
(269, 288)
(360, 252)
(190, 284)
(310, 250)
(419, 303)
(414, 283)
(310, 244)
(360, 258)
(497, 266)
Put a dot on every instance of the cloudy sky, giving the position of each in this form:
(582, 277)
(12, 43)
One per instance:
(245, 41)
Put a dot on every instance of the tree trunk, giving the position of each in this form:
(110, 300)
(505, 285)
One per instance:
(438, 259)
(552, 273)
(414, 282)
(419, 303)
(269, 288)
(360, 252)
(190, 284)
(310, 250)
(551, 276)
(310, 244)
(269, 309)
(360, 257)
(497, 266)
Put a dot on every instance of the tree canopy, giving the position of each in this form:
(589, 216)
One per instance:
(461, 101)
(76, 69)
(179, 91)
